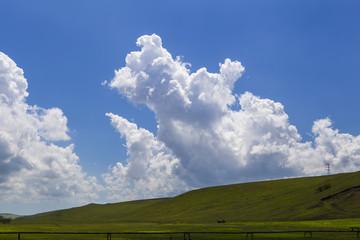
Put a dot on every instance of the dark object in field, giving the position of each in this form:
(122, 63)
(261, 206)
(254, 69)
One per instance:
(323, 188)
(221, 221)
(5, 220)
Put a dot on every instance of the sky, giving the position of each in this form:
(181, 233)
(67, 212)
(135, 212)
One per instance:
(108, 101)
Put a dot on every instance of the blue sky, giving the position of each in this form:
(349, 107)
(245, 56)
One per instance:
(302, 54)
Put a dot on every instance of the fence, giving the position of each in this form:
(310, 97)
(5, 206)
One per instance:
(187, 235)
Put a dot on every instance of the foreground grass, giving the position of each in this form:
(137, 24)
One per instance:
(26, 226)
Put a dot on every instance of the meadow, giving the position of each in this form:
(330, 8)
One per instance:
(315, 225)
(324, 203)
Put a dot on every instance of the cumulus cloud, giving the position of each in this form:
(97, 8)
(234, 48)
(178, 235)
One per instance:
(52, 124)
(149, 171)
(207, 141)
(31, 165)
(340, 150)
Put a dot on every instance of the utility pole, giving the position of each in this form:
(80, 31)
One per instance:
(327, 168)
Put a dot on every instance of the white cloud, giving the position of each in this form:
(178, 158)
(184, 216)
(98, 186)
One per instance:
(52, 124)
(212, 143)
(149, 169)
(341, 150)
(13, 85)
(31, 167)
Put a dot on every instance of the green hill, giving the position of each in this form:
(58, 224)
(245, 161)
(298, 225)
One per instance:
(325, 197)
(9, 215)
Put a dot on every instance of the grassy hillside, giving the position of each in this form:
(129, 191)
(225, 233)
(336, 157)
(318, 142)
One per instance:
(94, 212)
(9, 215)
(326, 197)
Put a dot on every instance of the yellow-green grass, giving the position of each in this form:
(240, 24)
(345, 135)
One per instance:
(281, 200)
(93, 212)
(314, 203)
(337, 224)
(277, 200)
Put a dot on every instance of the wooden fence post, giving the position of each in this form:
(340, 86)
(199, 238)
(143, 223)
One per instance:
(249, 236)
(308, 232)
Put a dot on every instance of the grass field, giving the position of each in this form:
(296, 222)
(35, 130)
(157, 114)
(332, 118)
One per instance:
(312, 198)
(300, 204)
(337, 224)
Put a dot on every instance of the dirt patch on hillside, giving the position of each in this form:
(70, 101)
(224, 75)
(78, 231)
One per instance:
(347, 193)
